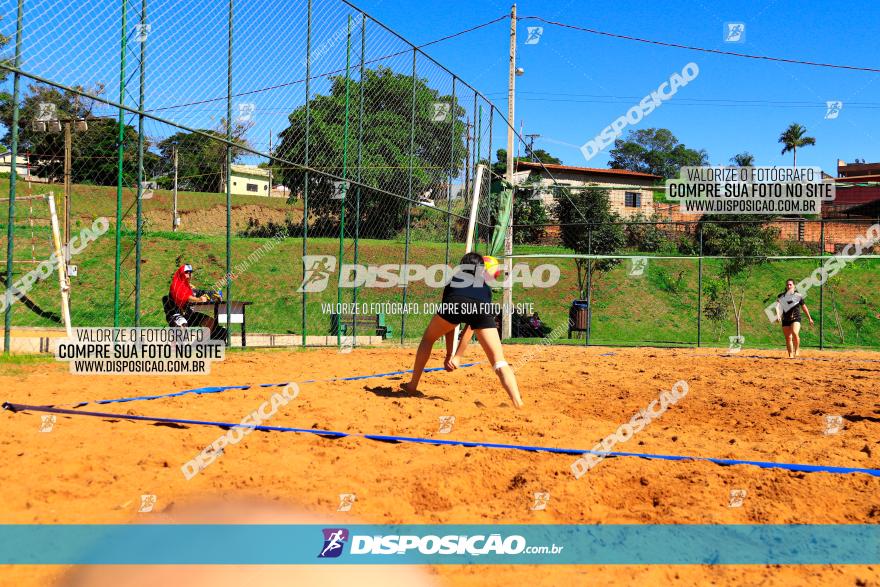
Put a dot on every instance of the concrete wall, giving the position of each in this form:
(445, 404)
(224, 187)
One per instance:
(837, 234)
(617, 196)
(241, 181)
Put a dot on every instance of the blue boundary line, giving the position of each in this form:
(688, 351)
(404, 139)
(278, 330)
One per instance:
(474, 444)
(780, 358)
(222, 388)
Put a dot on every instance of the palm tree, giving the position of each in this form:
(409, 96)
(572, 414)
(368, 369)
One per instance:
(744, 159)
(793, 137)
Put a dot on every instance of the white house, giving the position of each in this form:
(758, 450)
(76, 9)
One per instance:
(6, 163)
(21, 167)
(249, 180)
(629, 192)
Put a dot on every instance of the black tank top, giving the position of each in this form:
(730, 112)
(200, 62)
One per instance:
(478, 293)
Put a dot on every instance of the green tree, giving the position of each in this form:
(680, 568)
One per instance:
(644, 234)
(67, 105)
(744, 159)
(529, 219)
(4, 73)
(499, 168)
(529, 214)
(655, 151)
(201, 156)
(714, 308)
(745, 242)
(387, 116)
(793, 138)
(94, 158)
(93, 151)
(589, 226)
(4, 40)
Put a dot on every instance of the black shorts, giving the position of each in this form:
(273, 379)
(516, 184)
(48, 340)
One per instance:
(789, 322)
(475, 314)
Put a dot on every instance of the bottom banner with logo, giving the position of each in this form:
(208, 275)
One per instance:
(440, 544)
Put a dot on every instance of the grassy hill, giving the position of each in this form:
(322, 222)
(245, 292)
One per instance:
(656, 308)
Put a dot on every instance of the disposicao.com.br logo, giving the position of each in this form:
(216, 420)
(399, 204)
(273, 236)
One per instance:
(318, 269)
(334, 540)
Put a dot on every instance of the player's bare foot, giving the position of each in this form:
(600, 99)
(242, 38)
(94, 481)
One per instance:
(408, 387)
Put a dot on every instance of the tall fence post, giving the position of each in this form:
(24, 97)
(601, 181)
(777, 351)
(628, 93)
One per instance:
(229, 178)
(474, 156)
(120, 153)
(700, 289)
(305, 228)
(489, 168)
(452, 119)
(344, 189)
(475, 150)
(13, 174)
(139, 214)
(360, 162)
(821, 287)
(589, 286)
(412, 141)
(174, 196)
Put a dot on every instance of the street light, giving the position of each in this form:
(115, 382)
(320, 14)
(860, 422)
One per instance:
(514, 72)
(48, 121)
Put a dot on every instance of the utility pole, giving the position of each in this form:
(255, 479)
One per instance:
(467, 156)
(507, 301)
(270, 163)
(174, 222)
(531, 152)
(71, 124)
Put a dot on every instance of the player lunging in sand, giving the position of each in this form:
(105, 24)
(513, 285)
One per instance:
(466, 300)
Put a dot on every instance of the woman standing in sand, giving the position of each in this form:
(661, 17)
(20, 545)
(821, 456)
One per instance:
(788, 312)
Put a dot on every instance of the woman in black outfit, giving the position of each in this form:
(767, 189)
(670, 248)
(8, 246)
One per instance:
(788, 311)
(466, 300)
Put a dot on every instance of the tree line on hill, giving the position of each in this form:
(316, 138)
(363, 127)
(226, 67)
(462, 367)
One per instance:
(380, 161)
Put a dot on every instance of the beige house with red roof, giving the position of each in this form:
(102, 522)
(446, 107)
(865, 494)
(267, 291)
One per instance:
(628, 190)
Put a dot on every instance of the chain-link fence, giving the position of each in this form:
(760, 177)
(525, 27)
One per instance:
(709, 282)
(210, 134)
(269, 157)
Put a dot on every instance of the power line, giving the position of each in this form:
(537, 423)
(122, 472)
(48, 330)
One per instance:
(679, 102)
(702, 49)
(329, 73)
(474, 28)
(732, 100)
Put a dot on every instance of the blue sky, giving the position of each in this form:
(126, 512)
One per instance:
(577, 83)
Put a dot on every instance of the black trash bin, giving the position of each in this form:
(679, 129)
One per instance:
(577, 316)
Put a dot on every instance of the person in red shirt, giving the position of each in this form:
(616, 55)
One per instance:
(182, 295)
